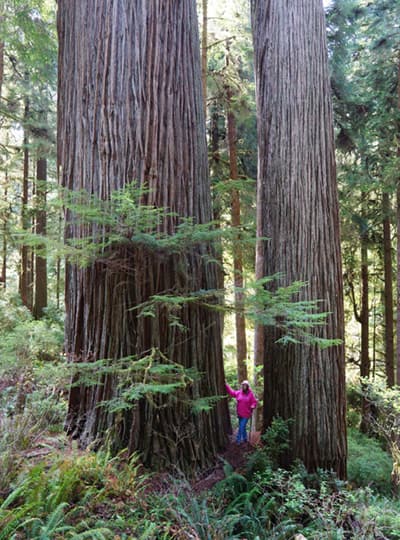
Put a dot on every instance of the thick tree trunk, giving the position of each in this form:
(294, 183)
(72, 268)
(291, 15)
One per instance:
(398, 240)
(41, 224)
(398, 287)
(240, 322)
(130, 108)
(388, 290)
(259, 331)
(204, 40)
(298, 205)
(58, 265)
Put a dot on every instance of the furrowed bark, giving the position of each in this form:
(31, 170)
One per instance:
(204, 35)
(131, 109)
(398, 239)
(298, 212)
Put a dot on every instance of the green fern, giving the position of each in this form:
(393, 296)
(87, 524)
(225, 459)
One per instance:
(98, 533)
(45, 529)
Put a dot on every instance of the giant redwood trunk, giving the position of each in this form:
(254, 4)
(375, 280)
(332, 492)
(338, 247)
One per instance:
(204, 45)
(398, 239)
(130, 108)
(298, 213)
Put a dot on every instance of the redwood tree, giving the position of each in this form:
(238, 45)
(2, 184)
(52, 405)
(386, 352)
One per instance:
(130, 108)
(298, 213)
(240, 321)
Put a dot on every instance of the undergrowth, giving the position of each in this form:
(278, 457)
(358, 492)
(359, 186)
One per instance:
(50, 490)
(266, 502)
(74, 494)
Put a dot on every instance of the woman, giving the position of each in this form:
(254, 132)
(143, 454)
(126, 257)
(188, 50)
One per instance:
(246, 403)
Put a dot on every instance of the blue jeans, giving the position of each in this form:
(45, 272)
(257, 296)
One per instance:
(242, 435)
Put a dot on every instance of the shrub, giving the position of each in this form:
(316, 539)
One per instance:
(17, 433)
(368, 463)
(386, 513)
(60, 501)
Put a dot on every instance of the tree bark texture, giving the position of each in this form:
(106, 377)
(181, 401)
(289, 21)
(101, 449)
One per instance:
(130, 108)
(398, 239)
(40, 302)
(259, 330)
(398, 286)
(298, 213)
(204, 36)
(388, 291)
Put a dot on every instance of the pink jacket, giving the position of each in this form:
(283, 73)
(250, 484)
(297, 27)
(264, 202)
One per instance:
(246, 403)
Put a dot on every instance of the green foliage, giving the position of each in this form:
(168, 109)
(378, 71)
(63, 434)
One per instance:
(17, 434)
(353, 396)
(276, 438)
(125, 220)
(53, 502)
(148, 377)
(383, 420)
(195, 517)
(89, 495)
(274, 503)
(271, 304)
(384, 512)
(32, 375)
(24, 340)
(368, 463)
(275, 443)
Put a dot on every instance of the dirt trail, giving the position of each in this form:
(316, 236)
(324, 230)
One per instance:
(235, 454)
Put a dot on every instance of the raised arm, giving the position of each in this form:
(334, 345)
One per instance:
(230, 391)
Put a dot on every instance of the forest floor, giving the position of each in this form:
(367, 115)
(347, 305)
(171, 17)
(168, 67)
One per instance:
(235, 454)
